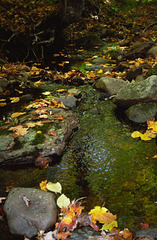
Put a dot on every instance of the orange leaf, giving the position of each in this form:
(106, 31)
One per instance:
(63, 235)
(59, 117)
(53, 133)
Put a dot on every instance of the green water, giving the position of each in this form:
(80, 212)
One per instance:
(103, 163)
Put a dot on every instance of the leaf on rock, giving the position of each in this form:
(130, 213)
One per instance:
(125, 234)
(53, 133)
(54, 187)
(63, 235)
(63, 201)
(18, 131)
(43, 185)
(17, 114)
(38, 83)
(109, 226)
(34, 124)
(62, 90)
(14, 99)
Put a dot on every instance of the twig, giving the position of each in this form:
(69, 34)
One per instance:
(149, 26)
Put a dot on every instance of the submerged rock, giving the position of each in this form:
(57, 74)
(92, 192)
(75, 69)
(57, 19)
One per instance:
(133, 93)
(140, 113)
(29, 210)
(148, 234)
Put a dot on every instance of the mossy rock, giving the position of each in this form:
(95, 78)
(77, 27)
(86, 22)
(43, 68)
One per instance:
(89, 41)
(153, 71)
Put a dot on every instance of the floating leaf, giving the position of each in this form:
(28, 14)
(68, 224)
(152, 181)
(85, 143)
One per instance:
(63, 201)
(54, 187)
(17, 114)
(145, 136)
(136, 134)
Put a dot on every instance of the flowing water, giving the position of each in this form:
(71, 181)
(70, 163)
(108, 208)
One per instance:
(102, 163)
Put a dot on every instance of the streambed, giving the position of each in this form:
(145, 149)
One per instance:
(102, 163)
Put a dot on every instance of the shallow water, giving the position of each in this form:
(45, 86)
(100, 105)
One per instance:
(102, 163)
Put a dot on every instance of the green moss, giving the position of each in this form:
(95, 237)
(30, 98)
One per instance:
(39, 139)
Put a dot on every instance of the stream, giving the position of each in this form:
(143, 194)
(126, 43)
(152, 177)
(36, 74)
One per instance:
(102, 163)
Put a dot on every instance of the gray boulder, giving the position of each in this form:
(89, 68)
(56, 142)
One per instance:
(140, 113)
(27, 220)
(139, 49)
(68, 101)
(133, 93)
(146, 234)
(110, 85)
(152, 52)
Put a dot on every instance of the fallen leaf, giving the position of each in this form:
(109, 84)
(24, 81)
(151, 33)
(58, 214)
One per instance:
(14, 99)
(54, 187)
(145, 136)
(63, 201)
(17, 114)
(62, 90)
(136, 134)
(27, 201)
(53, 133)
(59, 118)
(63, 235)
(43, 185)
(38, 83)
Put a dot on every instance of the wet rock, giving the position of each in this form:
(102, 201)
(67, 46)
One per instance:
(68, 101)
(140, 113)
(26, 148)
(133, 93)
(139, 49)
(75, 92)
(133, 73)
(152, 52)
(110, 85)
(26, 218)
(146, 234)
(94, 67)
(104, 33)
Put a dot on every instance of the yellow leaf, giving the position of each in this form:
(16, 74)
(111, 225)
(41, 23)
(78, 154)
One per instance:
(100, 71)
(155, 156)
(14, 99)
(54, 187)
(145, 136)
(63, 201)
(46, 93)
(38, 83)
(109, 226)
(2, 104)
(17, 114)
(152, 125)
(2, 100)
(62, 90)
(39, 132)
(136, 134)
(43, 185)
